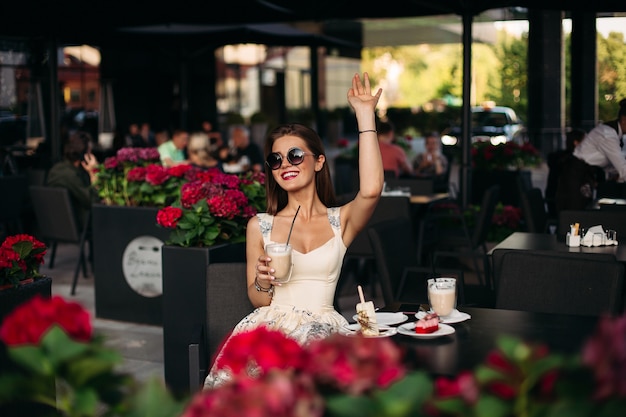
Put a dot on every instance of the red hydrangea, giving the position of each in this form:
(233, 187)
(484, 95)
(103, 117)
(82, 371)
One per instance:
(355, 364)
(223, 207)
(136, 174)
(22, 326)
(156, 174)
(169, 216)
(464, 385)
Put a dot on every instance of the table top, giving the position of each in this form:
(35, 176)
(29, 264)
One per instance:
(429, 198)
(549, 242)
(474, 338)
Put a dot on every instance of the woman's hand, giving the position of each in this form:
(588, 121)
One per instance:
(264, 273)
(360, 95)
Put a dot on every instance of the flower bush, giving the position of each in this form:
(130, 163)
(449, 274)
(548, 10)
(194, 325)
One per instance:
(60, 363)
(213, 208)
(136, 177)
(20, 258)
(509, 155)
(506, 220)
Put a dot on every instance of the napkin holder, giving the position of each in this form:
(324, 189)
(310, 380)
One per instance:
(572, 241)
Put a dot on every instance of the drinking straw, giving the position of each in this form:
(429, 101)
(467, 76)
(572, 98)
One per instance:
(361, 296)
(291, 228)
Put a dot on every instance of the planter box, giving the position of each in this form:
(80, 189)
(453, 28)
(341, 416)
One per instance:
(127, 263)
(185, 303)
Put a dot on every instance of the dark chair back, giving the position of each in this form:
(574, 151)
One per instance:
(346, 175)
(534, 210)
(485, 216)
(561, 283)
(14, 192)
(401, 277)
(608, 219)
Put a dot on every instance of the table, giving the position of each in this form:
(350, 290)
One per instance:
(429, 198)
(475, 338)
(548, 242)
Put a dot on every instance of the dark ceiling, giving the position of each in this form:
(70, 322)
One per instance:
(84, 21)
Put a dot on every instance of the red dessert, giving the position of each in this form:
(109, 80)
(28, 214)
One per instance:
(427, 324)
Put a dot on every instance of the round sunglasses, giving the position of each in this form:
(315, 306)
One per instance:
(295, 156)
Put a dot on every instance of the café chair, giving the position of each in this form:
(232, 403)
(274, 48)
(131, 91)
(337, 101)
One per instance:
(359, 259)
(14, 200)
(222, 314)
(561, 283)
(534, 211)
(461, 241)
(401, 277)
(57, 222)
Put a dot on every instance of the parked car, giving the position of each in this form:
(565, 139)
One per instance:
(496, 124)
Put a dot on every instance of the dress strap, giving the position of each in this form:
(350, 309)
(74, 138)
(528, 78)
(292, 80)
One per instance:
(265, 224)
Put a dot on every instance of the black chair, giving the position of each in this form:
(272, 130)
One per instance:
(223, 313)
(14, 192)
(359, 257)
(402, 278)
(463, 241)
(561, 283)
(534, 211)
(57, 222)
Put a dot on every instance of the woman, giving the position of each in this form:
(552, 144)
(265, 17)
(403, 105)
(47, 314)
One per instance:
(298, 181)
(598, 153)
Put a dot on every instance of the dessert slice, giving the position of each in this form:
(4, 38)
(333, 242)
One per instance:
(427, 324)
(366, 316)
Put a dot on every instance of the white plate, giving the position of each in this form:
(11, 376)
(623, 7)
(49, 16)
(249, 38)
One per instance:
(456, 316)
(387, 319)
(408, 329)
(383, 331)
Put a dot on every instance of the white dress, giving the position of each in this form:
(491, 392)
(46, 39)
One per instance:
(303, 307)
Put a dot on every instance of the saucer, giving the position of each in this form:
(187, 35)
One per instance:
(387, 319)
(408, 329)
(455, 317)
(352, 329)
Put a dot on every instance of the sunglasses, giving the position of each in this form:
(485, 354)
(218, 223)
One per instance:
(295, 156)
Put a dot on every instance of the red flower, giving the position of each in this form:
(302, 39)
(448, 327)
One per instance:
(156, 174)
(263, 347)
(137, 174)
(169, 216)
(179, 171)
(343, 143)
(464, 386)
(192, 192)
(219, 206)
(355, 364)
(20, 327)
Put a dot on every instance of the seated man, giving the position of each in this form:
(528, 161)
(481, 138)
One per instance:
(173, 151)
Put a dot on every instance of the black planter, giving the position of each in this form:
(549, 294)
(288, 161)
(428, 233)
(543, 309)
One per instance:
(127, 263)
(507, 180)
(185, 303)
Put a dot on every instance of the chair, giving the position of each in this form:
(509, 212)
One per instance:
(463, 241)
(360, 252)
(57, 222)
(398, 267)
(222, 314)
(14, 192)
(608, 219)
(534, 211)
(563, 283)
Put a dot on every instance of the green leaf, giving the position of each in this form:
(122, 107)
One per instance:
(349, 406)
(32, 358)
(60, 346)
(491, 406)
(154, 400)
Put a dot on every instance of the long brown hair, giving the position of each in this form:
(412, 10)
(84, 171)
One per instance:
(276, 196)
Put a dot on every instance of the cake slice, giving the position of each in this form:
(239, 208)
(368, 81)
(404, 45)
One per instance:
(427, 324)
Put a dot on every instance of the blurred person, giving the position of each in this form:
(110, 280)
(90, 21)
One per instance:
(199, 151)
(599, 153)
(215, 137)
(555, 162)
(146, 133)
(394, 157)
(247, 154)
(172, 152)
(76, 172)
(432, 162)
(133, 136)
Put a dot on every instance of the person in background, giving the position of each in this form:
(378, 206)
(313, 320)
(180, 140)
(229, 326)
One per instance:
(172, 152)
(133, 137)
(394, 157)
(555, 162)
(247, 154)
(601, 151)
(147, 135)
(199, 152)
(300, 192)
(76, 172)
(215, 137)
(431, 162)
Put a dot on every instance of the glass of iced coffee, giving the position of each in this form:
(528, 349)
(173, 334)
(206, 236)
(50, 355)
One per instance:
(442, 295)
(281, 261)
